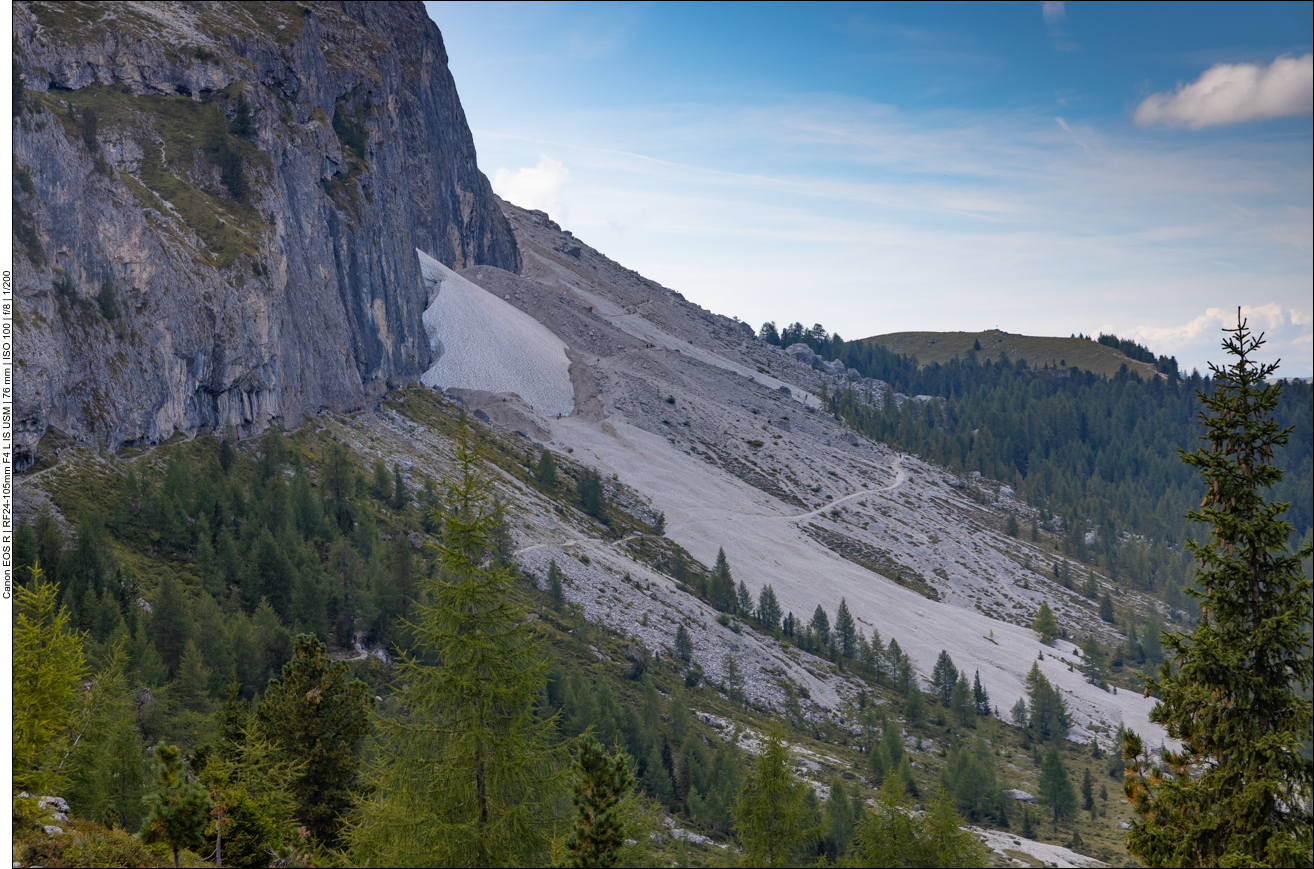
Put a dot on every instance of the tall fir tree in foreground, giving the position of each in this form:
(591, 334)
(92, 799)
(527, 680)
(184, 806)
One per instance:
(466, 772)
(1236, 690)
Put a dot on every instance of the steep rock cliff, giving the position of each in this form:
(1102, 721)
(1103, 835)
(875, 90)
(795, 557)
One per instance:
(217, 209)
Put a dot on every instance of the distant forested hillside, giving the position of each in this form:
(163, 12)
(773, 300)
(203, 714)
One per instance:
(1099, 452)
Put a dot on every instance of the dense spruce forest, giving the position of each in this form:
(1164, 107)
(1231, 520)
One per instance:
(1095, 454)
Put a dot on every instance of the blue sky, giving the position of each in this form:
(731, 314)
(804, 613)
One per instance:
(1044, 168)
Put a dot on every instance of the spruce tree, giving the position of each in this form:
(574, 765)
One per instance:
(821, 624)
(960, 701)
(943, 676)
(467, 773)
(592, 497)
(1056, 789)
(1018, 714)
(1236, 690)
(768, 608)
(601, 783)
(400, 497)
(315, 716)
(556, 591)
(980, 697)
(723, 585)
(846, 632)
(177, 807)
(547, 471)
(683, 645)
(743, 601)
(771, 814)
(1106, 608)
(382, 487)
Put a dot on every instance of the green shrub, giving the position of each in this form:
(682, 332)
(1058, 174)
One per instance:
(108, 298)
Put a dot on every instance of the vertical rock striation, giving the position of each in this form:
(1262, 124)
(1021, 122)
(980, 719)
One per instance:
(217, 208)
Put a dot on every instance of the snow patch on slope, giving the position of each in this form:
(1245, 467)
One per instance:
(483, 342)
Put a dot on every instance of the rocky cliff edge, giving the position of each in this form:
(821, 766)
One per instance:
(217, 207)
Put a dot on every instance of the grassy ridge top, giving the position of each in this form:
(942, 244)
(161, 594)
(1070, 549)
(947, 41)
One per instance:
(1081, 353)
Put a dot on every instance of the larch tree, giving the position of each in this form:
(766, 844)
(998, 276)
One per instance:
(48, 667)
(771, 814)
(466, 773)
(1236, 691)
(892, 834)
(1045, 624)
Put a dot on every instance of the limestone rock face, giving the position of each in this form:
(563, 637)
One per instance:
(217, 211)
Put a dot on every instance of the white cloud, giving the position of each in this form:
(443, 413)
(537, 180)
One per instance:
(1286, 332)
(894, 221)
(534, 186)
(1232, 93)
(1055, 12)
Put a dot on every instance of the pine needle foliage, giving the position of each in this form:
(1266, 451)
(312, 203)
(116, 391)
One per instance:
(1236, 690)
(177, 807)
(602, 783)
(316, 716)
(467, 773)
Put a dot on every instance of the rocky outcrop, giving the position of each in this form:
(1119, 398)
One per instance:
(217, 210)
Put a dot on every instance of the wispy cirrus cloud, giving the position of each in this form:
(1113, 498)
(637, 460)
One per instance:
(1234, 93)
(1055, 13)
(873, 220)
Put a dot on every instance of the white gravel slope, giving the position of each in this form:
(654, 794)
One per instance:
(707, 509)
(485, 343)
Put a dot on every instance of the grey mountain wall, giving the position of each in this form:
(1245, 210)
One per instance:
(159, 288)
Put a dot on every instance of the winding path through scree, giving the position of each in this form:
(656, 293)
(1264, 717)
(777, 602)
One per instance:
(900, 477)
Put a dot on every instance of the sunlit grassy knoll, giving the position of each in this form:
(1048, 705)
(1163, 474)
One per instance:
(1080, 353)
